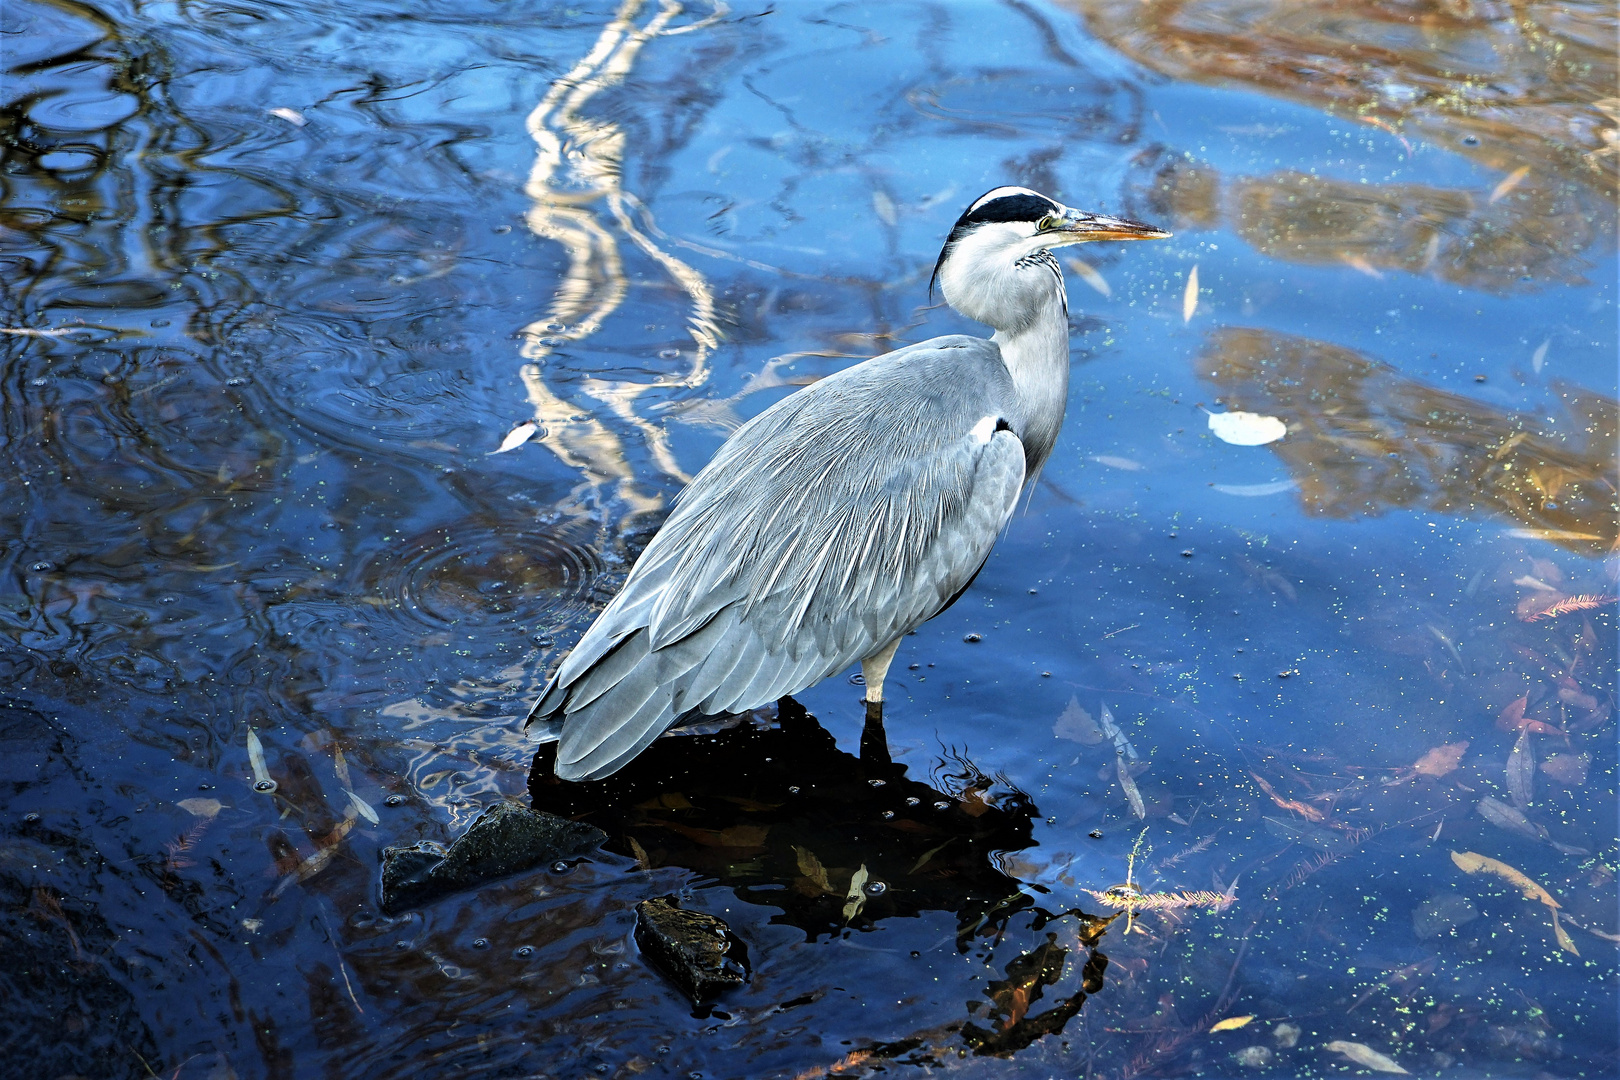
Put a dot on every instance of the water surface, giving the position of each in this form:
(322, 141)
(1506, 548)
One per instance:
(279, 280)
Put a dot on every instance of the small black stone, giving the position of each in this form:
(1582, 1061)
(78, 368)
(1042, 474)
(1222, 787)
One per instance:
(697, 952)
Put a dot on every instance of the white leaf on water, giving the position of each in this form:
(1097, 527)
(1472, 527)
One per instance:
(1088, 274)
(362, 808)
(883, 206)
(1255, 491)
(292, 116)
(856, 898)
(1118, 462)
(261, 771)
(1246, 428)
(203, 808)
(517, 437)
(1189, 298)
(1539, 358)
(1365, 1055)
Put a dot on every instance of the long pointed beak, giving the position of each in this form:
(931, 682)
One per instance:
(1083, 227)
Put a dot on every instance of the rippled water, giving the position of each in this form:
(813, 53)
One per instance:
(279, 279)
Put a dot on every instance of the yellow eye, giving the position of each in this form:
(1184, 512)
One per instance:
(1050, 221)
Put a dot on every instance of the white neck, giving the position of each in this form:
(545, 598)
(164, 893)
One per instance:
(1037, 355)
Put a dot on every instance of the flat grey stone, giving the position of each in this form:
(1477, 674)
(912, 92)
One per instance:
(691, 949)
(505, 839)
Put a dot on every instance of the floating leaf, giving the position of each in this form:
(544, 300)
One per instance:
(811, 867)
(1076, 725)
(341, 763)
(855, 899)
(1539, 357)
(1246, 428)
(292, 116)
(517, 437)
(1512, 718)
(1509, 182)
(1304, 810)
(325, 848)
(1357, 263)
(1118, 462)
(261, 771)
(363, 808)
(203, 808)
(883, 206)
(1189, 297)
(1111, 729)
(1473, 863)
(1521, 770)
(1088, 274)
(1568, 769)
(1365, 1056)
(1126, 781)
(1255, 491)
(1442, 759)
(1503, 816)
(1231, 1023)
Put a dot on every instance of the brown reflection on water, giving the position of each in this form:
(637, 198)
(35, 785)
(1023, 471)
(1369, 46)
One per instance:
(1362, 438)
(1527, 90)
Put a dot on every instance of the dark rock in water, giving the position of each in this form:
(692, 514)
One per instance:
(505, 839)
(697, 952)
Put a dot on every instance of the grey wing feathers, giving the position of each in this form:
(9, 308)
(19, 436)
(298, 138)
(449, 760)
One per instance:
(826, 527)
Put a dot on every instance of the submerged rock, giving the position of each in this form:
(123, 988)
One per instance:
(505, 839)
(691, 949)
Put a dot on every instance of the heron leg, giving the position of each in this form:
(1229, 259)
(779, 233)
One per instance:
(875, 668)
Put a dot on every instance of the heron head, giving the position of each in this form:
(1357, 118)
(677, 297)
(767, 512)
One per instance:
(990, 268)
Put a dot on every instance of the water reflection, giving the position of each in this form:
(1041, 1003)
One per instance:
(782, 815)
(1529, 97)
(1363, 439)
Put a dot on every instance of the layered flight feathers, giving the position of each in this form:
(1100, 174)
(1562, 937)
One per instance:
(824, 529)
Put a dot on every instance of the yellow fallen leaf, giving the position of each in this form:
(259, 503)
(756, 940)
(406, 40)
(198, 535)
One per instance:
(1509, 182)
(1470, 862)
(1441, 759)
(1231, 1023)
(1189, 298)
(1088, 274)
(855, 899)
(1365, 1055)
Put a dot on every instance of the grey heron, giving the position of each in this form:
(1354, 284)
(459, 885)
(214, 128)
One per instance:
(845, 515)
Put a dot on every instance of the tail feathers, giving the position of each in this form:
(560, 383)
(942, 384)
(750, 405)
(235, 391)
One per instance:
(599, 740)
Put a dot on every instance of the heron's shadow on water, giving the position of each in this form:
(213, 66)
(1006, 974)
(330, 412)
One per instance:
(837, 842)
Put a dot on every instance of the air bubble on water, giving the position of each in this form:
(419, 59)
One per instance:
(876, 888)
(265, 786)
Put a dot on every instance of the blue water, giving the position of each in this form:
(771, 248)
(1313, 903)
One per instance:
(291, 274)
